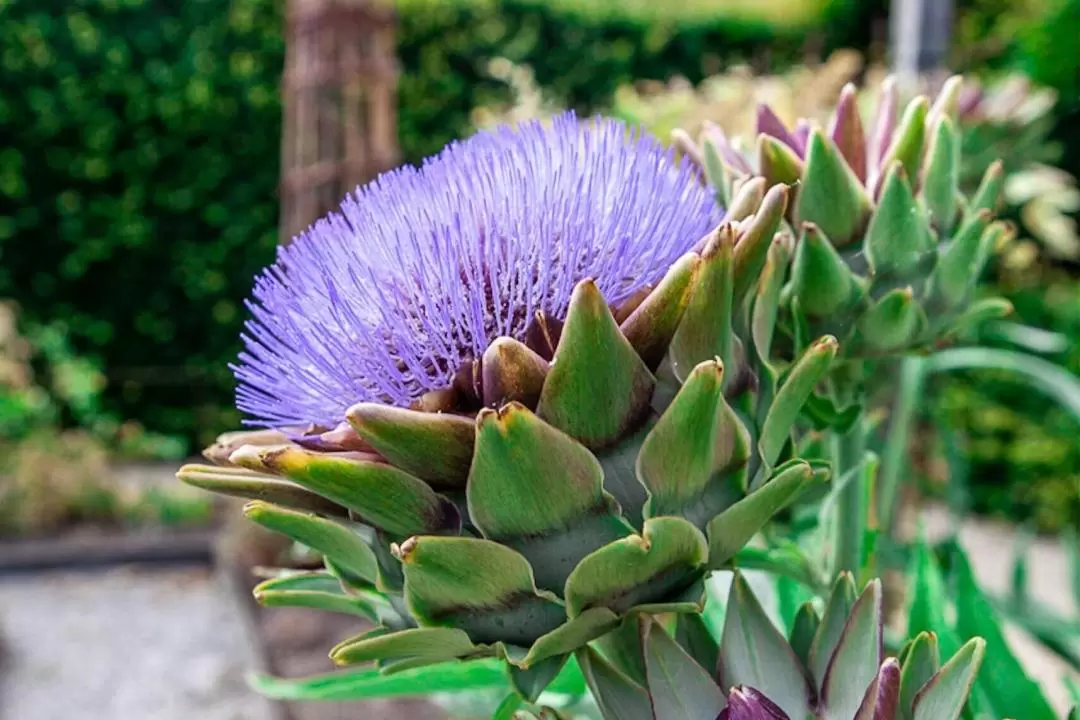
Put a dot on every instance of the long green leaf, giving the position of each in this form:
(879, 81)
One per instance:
(369, 683)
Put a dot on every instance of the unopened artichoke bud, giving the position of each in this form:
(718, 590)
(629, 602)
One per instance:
(493, 329)
(889, 251)
(831, 667)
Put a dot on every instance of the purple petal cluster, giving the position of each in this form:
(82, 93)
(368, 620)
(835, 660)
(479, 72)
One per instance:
(424, 267)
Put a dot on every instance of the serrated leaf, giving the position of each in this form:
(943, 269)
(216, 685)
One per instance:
(944, 696)
(435, 447)
(667, 557)
(650, 328)
(1011, 691)
(921, 663)
(790, 398)
(679, 688)
(381, 495)
(348, 551)
(540, 492)
(617, 697)
(754, 653)
(856, 658)
(598, 387)
(693, 461)
(733, 528)
(829, 194)
(479, 586)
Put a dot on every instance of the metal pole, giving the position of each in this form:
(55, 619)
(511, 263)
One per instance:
(921, 30)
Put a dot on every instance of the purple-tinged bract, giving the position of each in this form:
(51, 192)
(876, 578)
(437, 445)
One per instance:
(423, 268)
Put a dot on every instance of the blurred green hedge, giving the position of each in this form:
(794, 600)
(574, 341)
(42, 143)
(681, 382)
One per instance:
(139, 150)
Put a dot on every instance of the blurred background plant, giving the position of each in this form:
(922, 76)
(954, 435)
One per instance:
(57, 443)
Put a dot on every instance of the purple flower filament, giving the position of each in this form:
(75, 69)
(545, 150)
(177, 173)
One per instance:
(421, 269)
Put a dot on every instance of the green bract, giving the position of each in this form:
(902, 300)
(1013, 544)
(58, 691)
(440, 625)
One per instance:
(564, 486)
(888, 250)
(831, 667)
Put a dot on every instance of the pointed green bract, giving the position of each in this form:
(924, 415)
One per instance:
(532, 681)
(767, 302)
(668, 556)
(414, 642)
(746, 200)
(318, 591)
(572, 635)
(892, 322)
(651, 326)
(841, 600)
(755, 654)
(716, 173)
(819, 276)
(249, 485)
(856, 658)
(777, 163)
(512, 373)
(989, 192)
(956, 272)
(734, 527)
(846, 131)
(705, 331)
(792, 396)
(880, 702)
(829, 194)
(381, 494)
(598, 387)
(897, 238)
(944, 696)
(941, 176)
(694, 636)
(478, 586)
(693, 461)
(552, 513)
(337, 542)
(679, 688)
(907, 143)
(921, 663)
(754, 239)
(803, 630)
(617, 696)
(435, 447)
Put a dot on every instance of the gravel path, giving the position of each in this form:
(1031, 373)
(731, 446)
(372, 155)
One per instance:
(123, 645)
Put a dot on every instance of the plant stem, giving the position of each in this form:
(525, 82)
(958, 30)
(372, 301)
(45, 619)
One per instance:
(848, 454)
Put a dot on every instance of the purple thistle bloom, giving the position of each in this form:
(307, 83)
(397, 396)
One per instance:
(423, 268)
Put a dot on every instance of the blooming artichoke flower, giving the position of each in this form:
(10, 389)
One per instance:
(832, 667)
(889, 251)
(531, 341)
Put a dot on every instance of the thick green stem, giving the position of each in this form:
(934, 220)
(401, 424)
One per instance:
(849, 451)
(895, 457)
